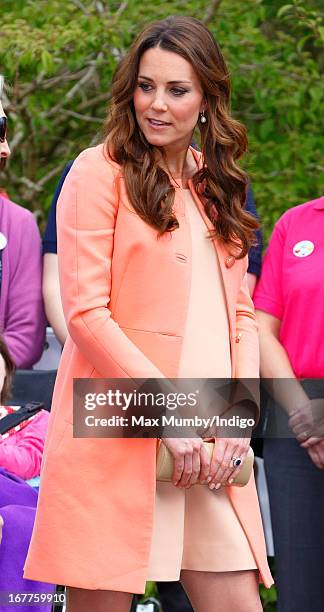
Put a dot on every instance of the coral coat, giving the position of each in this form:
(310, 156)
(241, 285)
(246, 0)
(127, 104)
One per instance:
(125, 297)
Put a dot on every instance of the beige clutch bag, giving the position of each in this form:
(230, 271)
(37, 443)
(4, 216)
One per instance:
(164, 465)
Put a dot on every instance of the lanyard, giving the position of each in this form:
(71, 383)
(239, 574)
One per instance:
(15, 418)
(3, 244)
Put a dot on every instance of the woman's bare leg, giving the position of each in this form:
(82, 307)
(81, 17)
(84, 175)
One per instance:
(222, 591)
(84, 600)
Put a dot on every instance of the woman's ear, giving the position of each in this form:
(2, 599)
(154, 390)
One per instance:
(204, 104)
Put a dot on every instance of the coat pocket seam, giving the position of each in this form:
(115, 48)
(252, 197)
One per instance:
(149, 331)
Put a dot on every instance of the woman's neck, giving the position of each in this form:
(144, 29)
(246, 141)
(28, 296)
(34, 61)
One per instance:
(181, 165)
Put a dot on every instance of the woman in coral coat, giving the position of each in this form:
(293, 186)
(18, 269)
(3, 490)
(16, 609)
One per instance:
(139, 277)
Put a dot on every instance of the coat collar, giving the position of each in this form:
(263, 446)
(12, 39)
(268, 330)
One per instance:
(319, 203)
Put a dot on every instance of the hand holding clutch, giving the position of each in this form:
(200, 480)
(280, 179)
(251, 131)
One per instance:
(164, 465)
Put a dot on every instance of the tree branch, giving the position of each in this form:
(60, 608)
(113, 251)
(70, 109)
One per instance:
(122, 7)
(54, 172)
(33, 187)
(212, 10)
(105, 97)
(100, 8)
(43, 83)
(80, 116)
(80, 6)
(76, 87)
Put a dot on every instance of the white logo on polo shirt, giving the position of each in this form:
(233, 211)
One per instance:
(3, 241)
(303, 248)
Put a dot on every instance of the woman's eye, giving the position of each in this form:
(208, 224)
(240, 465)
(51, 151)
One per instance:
(178, 92)
(144, 86)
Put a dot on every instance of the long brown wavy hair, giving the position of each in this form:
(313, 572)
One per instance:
(5, 393)
(3, 160)
(221, 182)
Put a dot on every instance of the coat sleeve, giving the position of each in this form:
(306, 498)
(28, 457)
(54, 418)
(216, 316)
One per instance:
(86, 215)
(24, 331)
(246, 346)
(246, 341)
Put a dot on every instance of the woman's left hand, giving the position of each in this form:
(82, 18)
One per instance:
(316, 453)
(222, 471)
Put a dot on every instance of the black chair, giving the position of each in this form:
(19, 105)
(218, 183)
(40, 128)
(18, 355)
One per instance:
(58, 607)
(33, 386)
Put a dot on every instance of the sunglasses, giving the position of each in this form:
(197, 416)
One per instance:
(3, 128)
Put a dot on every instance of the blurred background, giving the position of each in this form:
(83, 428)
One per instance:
(58, 58)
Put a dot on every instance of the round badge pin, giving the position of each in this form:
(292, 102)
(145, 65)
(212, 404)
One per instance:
(303, 248)
(3, 241)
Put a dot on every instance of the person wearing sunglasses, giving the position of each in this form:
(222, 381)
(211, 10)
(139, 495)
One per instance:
(22, 318)
(4, 147)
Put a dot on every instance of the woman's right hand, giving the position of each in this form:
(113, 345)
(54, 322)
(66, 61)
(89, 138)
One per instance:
(307, 421)
(191, 461)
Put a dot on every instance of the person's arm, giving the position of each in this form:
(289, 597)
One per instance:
(303, 412)
(269, 304)
(247, 344)
(24, 331)
(251, 282)
(245, 399)
(51, 285)
(52, 296)
(276, 368)
(86, 214)
(21, 453)
(275, 363)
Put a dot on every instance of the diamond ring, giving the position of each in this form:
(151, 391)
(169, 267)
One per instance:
(236, 461)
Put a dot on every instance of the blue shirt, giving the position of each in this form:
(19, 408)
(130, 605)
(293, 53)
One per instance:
(50, 237)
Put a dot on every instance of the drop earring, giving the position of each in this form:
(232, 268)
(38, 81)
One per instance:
(203, 119)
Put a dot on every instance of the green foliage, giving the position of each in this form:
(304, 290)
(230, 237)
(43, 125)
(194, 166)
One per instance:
(59, 58)
(269, 596)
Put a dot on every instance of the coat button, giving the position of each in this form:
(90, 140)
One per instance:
(229, 261)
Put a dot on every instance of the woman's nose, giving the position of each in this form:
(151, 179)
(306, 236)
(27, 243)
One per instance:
(4, 150)
(159, 103)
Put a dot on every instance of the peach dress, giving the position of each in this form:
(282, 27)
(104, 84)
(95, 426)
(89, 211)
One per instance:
(196, 528)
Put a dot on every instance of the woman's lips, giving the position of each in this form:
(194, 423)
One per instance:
(157, 125)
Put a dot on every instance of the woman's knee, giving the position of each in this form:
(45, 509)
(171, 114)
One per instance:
(246, 592)
(83, 600)
(231, 591)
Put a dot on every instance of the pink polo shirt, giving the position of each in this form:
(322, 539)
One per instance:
(22, 452)
(291, 286)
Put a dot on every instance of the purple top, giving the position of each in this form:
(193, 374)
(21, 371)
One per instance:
(22, 317)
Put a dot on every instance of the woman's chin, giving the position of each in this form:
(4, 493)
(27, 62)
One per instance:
(158, 140)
